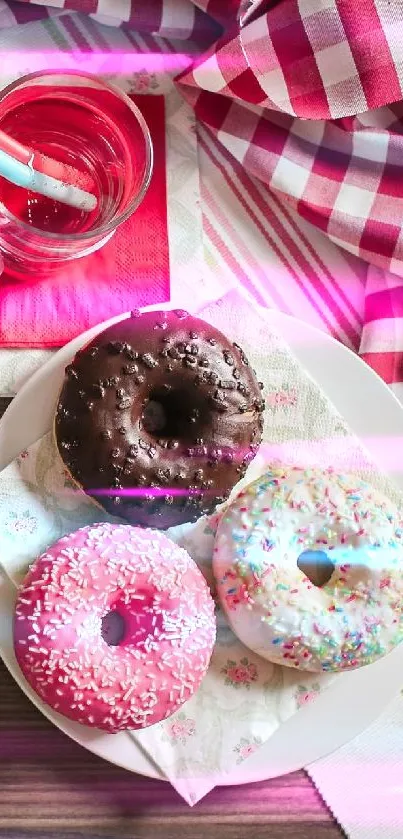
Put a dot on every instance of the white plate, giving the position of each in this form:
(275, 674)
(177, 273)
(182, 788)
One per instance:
(346, 707)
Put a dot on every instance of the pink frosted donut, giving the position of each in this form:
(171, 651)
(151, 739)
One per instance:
(114, 627)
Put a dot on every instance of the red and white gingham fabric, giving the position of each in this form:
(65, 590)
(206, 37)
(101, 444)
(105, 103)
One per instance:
(169, 18)
(288, 95)
(382, 336)
(307, 96)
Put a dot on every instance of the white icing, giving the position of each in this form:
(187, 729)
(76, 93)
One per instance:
(273, 607)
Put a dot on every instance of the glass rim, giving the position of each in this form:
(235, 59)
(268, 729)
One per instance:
(110, 226)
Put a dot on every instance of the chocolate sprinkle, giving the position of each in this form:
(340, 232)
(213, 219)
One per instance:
(115, 347)
(149, 360)
(72, 372)
(124, 404)
(228, 358)
(98, 391)
(130, 369)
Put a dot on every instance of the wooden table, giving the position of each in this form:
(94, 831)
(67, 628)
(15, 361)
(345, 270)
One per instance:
(53, 789)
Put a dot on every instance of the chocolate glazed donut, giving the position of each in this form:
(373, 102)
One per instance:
(158, 418)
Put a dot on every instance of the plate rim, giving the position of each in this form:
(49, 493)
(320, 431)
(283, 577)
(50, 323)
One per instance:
(61, 357)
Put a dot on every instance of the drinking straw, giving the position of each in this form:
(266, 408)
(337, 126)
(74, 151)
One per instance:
(39, 173)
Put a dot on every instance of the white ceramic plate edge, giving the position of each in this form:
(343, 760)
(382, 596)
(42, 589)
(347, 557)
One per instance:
(311, 733)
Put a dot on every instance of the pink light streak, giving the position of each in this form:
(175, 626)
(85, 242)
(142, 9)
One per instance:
(342, 453)
(141, 492)
(118, 63)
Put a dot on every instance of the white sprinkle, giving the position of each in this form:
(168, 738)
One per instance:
(128, 693)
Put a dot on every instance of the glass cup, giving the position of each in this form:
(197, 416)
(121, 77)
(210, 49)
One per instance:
(77, 119)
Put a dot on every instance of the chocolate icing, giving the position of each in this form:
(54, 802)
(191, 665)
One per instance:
(163, 405)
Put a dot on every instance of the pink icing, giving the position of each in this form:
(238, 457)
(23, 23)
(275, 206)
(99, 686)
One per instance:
(166, 619)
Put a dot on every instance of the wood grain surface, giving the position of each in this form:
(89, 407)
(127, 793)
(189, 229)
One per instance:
(54, 789)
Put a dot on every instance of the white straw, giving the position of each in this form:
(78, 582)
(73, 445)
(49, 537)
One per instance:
(24, 175)
(65, 193)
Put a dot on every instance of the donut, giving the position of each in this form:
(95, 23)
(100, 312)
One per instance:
(309, 570)
(114, 627)
(158, 418)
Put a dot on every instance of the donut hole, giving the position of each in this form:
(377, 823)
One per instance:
(317, 566)
(174, 414)
(130, 624)
(113, 628)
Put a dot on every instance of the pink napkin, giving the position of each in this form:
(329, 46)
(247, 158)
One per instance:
(131, 270)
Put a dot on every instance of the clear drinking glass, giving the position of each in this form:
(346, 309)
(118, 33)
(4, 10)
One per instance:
(77, 119)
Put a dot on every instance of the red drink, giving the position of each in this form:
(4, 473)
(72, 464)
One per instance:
(29, 123)
(77, 120)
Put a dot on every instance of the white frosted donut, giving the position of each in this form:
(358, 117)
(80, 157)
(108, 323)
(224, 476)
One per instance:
(337, 529)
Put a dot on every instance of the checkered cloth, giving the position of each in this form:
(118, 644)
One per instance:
(288, 94)
(306, 95)
(168, 18)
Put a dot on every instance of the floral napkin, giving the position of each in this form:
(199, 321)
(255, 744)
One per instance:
(243, 699)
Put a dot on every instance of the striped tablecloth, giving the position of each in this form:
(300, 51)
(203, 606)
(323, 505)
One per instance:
(53, 789)
(293, 235)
